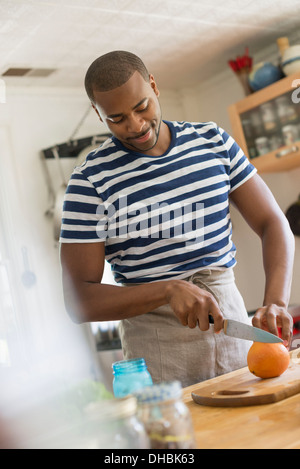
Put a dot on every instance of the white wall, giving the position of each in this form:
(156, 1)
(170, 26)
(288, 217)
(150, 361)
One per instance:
(209, 101)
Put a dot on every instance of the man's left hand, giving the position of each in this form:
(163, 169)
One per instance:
(272, 316)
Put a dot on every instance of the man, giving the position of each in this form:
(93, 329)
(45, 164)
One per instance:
(154, 201)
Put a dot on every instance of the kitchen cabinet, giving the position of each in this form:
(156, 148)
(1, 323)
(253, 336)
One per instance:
(266, 125)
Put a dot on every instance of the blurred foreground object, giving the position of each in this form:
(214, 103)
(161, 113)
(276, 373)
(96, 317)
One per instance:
(57, 421)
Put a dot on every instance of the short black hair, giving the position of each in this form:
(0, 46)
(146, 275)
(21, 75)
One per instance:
(112, 70)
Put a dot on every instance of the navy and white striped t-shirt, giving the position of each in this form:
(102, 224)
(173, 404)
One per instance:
(160, 217)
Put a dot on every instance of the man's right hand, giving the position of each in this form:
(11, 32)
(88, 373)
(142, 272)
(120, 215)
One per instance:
(193, 305)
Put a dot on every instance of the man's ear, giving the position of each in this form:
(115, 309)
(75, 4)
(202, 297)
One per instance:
(154, 85)
(97, 112)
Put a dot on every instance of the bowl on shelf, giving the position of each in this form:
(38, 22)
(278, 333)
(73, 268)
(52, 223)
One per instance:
(291, 60)
(264, 74)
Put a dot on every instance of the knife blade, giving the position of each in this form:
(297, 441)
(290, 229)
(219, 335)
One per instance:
(240, 330)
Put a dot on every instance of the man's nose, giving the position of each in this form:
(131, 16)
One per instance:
(135, 123)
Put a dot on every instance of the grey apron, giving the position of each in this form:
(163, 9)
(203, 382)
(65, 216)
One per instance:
(173, 351)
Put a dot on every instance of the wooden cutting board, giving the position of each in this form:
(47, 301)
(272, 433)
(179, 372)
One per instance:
(246, 390)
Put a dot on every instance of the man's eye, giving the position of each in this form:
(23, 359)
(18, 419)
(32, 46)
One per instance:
(117, 121)
(143, 109)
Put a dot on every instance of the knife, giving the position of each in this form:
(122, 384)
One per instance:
(243, 331)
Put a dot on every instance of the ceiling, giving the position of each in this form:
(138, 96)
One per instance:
(181, 41)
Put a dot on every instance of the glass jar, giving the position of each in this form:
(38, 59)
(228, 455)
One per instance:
(130, 376)
(290, 134)
(113, 424)
(268, 116)
(285, 109)
(165, 416)
(262, 145)
(247, 128)
(275, 142)
(256, 122)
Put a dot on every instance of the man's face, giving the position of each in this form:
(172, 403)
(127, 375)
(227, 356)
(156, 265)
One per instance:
(132, 113)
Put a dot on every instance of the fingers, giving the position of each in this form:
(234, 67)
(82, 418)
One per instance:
(206, 306)
(203, 308)
(193, 305)
(218, 318)
(271, 317)
(192, 321)
(265, 318)
(287, 330)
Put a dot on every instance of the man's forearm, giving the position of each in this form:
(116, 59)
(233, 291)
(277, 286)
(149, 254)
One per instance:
(91, 302)
(278, 257)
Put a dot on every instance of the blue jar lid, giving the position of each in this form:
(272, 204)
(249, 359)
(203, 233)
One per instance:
(129, 366)
(159, 392)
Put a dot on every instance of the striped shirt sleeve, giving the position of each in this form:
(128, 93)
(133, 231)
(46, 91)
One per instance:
(83, 218)
(240, 167)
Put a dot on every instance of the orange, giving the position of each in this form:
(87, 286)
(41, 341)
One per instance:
(268, 360)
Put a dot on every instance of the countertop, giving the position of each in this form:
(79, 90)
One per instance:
(270, 426)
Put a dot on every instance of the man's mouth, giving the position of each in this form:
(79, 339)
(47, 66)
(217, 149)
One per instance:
(142, 138)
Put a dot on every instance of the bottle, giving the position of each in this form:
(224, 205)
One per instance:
(165, 416)
(129, 376)
(282, 44)
(114, 424)
(262, 145)
(268, 113)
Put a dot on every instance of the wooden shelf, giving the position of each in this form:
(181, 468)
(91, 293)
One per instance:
(284, 158)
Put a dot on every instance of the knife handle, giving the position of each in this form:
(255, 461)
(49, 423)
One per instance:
(211, 321)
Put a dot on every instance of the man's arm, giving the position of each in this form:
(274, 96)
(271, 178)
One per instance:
(257, 205)
(89, 300)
